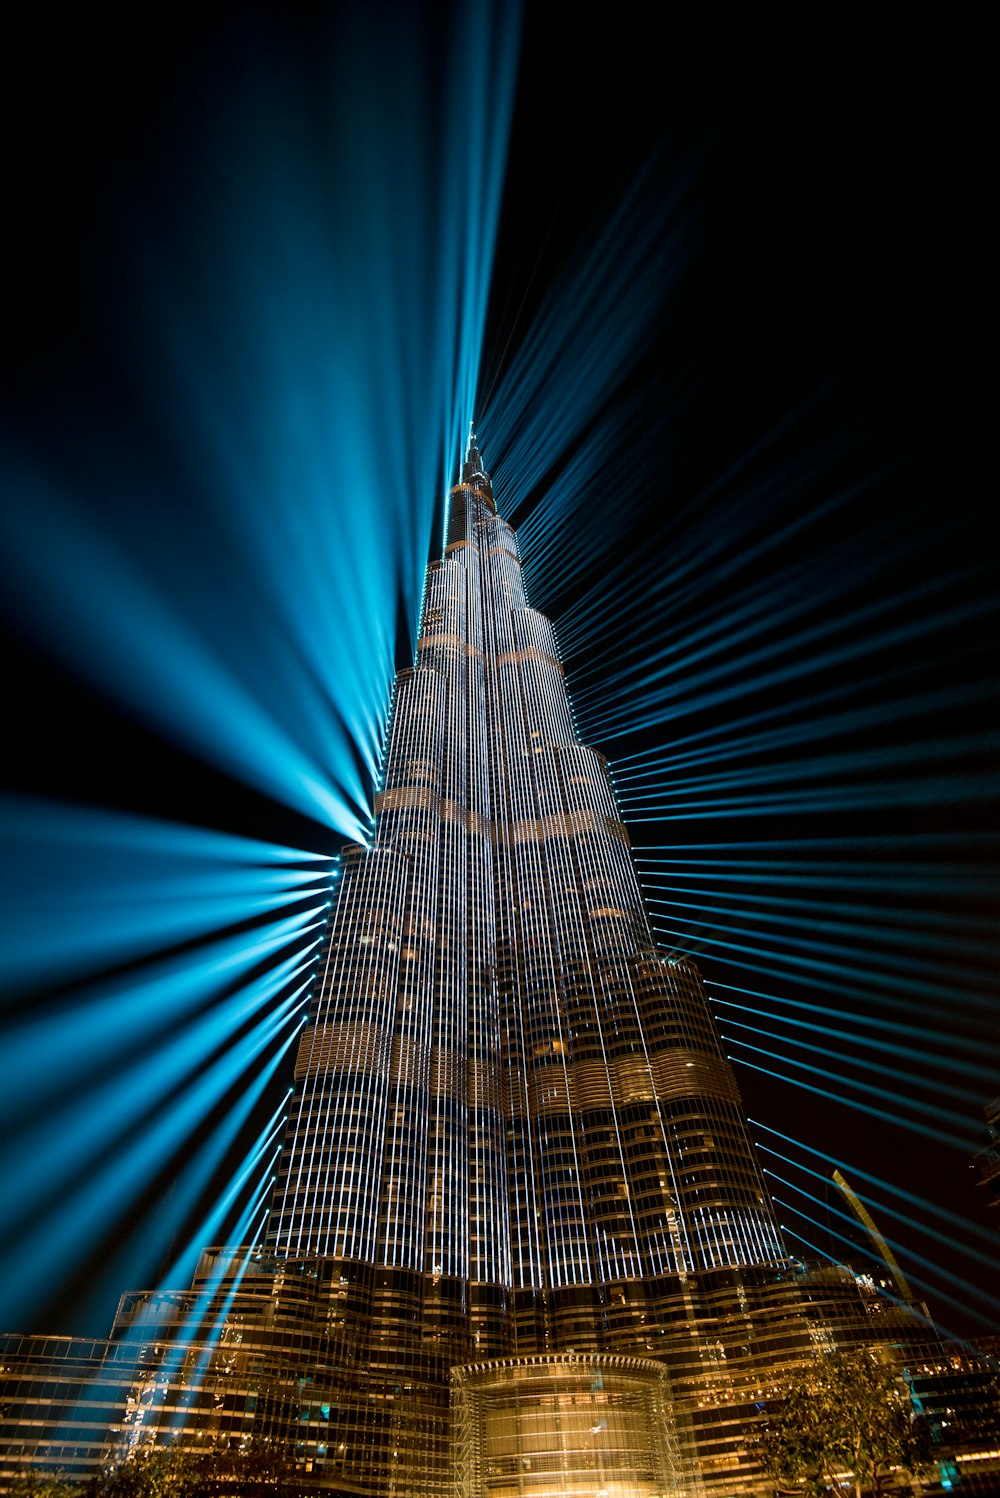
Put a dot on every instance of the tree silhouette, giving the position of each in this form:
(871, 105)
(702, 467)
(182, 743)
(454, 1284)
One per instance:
(846, 1414)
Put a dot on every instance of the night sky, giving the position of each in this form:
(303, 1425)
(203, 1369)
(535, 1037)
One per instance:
(776, 541)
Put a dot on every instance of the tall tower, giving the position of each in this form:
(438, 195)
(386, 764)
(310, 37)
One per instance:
(520, 1240)
(502, 1083)
(513, 1130)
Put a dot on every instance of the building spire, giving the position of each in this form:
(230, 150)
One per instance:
(473, 471)
(470, 449)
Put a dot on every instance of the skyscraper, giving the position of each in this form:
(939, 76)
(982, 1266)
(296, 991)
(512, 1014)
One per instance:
(516, 1174)
(503, 1084)
(510, 1108)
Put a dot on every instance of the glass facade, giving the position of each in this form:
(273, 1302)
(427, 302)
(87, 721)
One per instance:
(513, 1116)
(502, 1082)
(59, 1397)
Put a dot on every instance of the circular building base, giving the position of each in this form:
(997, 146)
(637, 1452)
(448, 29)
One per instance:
(565, 1425)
